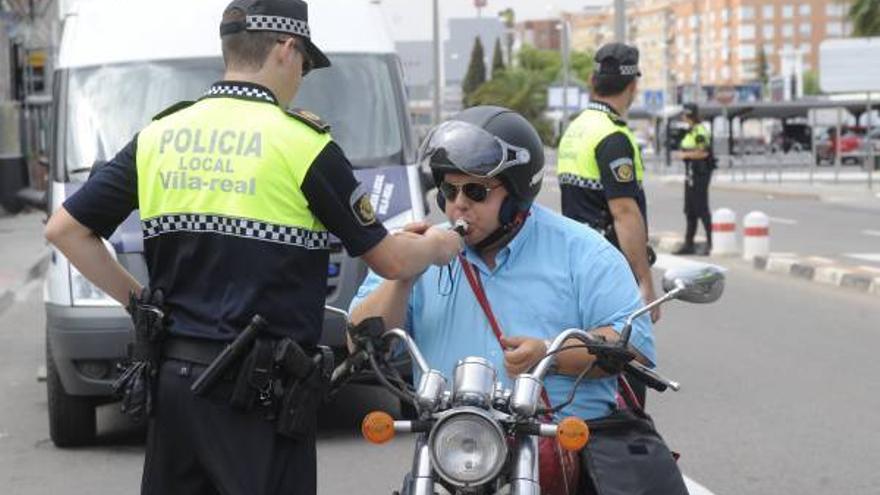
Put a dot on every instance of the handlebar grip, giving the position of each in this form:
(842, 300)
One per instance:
(649, 377)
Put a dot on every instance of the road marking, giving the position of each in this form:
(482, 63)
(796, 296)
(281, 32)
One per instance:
(784, 221)
(872, 257)
(875, 233)
(695, 488)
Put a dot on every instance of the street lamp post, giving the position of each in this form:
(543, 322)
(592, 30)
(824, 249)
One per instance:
(566, 49)
(438, 67)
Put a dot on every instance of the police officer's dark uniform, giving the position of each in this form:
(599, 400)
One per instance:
(237, 200)
(598, 157)
(698, 175)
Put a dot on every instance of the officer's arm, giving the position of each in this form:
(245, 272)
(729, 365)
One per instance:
(337, 199)
(87, 253)
(699, 151)
(95, 211)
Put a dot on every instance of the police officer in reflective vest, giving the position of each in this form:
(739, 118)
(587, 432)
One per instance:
(696, 151)
(237, 198)
(600, 168)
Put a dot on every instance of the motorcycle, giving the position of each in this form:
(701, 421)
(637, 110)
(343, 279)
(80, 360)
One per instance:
(478, 437)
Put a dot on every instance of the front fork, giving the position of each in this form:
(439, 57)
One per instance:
(525, 478)
(422, 475)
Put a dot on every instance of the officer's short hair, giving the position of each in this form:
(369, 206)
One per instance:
(610, 85)
(247, 50)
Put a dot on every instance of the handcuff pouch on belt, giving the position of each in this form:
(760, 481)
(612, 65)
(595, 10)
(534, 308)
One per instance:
(137, 384)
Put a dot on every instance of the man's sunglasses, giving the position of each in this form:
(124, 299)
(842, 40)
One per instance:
(308, 65)
(472, 191)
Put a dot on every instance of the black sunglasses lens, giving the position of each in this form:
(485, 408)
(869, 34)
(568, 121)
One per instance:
(475, 192)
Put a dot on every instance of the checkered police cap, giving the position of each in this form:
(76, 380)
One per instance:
(279, 16)
(617, 59)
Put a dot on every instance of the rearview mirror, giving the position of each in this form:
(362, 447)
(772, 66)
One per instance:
(703, 284)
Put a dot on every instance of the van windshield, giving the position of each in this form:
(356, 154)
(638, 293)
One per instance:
(103, 107)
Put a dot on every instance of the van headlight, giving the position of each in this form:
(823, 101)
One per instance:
(85, 293)
(468, 447)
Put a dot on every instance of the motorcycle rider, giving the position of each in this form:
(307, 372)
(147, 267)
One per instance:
(541, 272)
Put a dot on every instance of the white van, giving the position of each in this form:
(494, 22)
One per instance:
(123, 61)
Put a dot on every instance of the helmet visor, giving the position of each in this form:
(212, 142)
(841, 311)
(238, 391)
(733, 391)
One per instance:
(470, 149)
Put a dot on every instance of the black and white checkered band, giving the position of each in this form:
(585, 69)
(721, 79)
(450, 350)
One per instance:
(629, 70)
(574, 180)
(277, 23)
(601, 107)
(237, 227)
(241, 91)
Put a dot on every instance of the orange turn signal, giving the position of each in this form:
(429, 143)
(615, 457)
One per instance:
(572, 433)
(378, 427)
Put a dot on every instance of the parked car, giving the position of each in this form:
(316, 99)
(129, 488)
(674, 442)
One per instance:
(849, 146)
(792, 138)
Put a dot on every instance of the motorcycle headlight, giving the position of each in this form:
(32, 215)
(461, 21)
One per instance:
(468, 447)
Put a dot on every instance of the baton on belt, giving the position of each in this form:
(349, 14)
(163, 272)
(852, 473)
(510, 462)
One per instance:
(230, 354)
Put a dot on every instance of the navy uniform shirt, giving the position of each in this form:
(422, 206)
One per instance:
(215, 282)
(590, 206)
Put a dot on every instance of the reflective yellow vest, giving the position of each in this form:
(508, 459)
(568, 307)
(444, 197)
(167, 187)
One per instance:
(690, 141)
(576, 162)
(229, 166)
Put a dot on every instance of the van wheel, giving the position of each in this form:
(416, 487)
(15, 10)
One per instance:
(72, 420)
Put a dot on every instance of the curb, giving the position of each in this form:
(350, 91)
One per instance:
(812, 269)
(820, 271)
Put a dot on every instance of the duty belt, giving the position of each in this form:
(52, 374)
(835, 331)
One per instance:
(197, 351)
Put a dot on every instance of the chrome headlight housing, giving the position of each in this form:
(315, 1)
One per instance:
(468, 447)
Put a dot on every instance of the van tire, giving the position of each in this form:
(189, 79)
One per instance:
(72, 421)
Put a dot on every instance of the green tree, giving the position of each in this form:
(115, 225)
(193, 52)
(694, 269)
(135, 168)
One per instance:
(497, 59)
(520, 90)
(763, 67)
(476, 73)
(811, 83)
(865, 16)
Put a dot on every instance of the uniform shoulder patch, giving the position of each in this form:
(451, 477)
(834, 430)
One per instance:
(180, 105)
(359, 201)
(309, 119)
(623, 169)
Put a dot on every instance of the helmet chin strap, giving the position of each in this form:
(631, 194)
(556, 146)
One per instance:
(505, 232)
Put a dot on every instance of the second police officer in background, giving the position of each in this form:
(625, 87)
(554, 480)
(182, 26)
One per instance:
(247, 235)
(696, 151)
(600, 168)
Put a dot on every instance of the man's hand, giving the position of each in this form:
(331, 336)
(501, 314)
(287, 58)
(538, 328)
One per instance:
(447, 243)
(649, 296)
(521, 353)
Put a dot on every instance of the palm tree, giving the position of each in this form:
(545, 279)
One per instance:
(865, 16)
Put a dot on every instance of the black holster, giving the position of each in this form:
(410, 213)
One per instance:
(136, 386)
(306, 388)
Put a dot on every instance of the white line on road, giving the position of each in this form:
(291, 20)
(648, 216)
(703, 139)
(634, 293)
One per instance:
(695, 488)
(875, 233)
(784, 221)
(872, 257)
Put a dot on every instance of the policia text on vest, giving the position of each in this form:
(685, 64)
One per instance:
(204, 156)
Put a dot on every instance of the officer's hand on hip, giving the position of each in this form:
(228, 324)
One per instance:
(446, 244)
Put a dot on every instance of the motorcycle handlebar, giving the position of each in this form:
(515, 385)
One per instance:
(650, 377)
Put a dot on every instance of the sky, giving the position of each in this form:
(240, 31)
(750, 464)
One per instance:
(410, 20)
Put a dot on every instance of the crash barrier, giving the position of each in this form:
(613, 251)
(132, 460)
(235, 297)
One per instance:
(756, 235)
(724, 232)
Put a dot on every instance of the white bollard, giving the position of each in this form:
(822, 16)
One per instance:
(756, 235)
(724, 232)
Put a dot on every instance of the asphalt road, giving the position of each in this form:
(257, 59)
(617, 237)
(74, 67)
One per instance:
(779, 396)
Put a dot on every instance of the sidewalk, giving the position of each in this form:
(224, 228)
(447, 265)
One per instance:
(848, 190)
(23, 253)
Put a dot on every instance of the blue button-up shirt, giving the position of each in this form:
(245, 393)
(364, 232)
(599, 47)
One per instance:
(554, 275)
